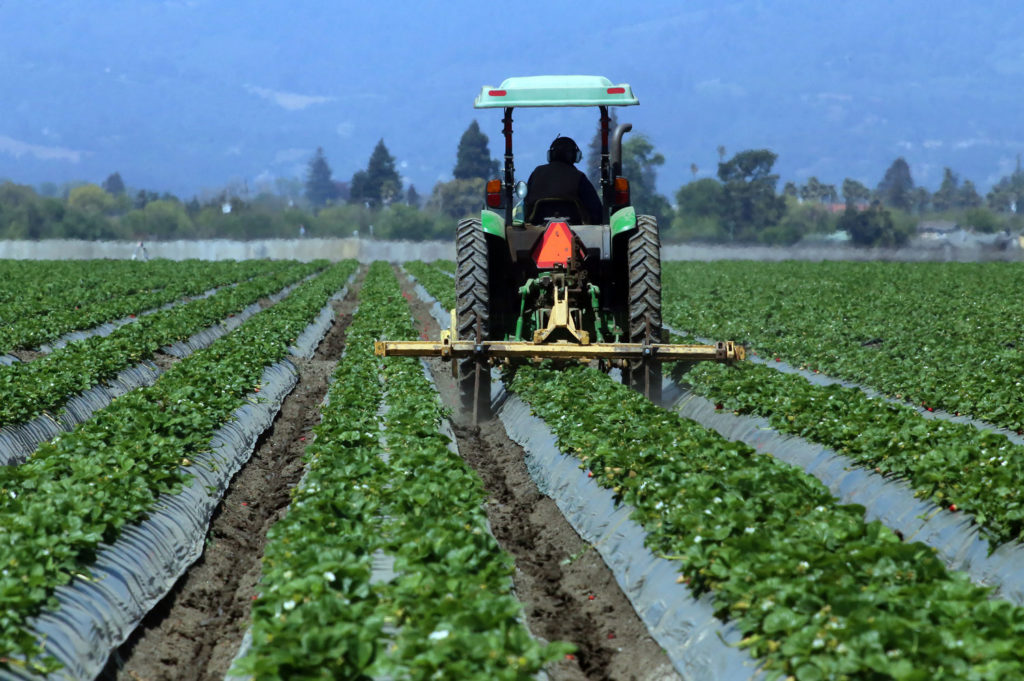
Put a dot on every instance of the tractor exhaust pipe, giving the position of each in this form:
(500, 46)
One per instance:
(620, 130)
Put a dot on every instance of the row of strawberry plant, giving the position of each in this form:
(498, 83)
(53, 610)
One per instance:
(954, 464)
(190, 279)
(445, 265)
(46, 284)
(818, 593)
(27, 389)
(944, 335)
(80, 490)
(31, 288)
(447, 612)
(439, 285)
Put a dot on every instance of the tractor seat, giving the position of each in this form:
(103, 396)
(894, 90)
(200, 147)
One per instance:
(569, 209)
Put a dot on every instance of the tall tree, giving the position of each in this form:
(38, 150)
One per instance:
(701, 198)
(920, 200)
(320, 189)
(813, 191)
(945, 197)
(90, 198)
(457, 198)
(895, 188)
(594, 150)
(967, 196)
(412, 197)
(855, 193)
(749, 202)
(1007, 196)
(640, 164)
(114, 185)
(871, 227)
(473, 158)
(380, 183)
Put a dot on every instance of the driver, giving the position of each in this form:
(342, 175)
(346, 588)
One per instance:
(560, 179)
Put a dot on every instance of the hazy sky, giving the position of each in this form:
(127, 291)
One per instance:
(185, 95)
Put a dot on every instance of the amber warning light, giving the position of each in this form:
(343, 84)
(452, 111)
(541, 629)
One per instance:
(494, 193)
(621, 188)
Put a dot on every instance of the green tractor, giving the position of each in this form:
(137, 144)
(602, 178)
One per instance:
(554, 288)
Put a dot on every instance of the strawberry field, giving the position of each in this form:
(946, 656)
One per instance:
(209, 475)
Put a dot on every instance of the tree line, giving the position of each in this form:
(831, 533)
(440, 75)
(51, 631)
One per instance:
(740, 204)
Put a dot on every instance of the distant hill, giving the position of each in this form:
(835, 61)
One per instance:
(184, 95)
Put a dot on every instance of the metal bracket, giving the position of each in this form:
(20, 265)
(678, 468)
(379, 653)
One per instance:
(561, 318)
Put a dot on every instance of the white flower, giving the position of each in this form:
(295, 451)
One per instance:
(329, 576)
(289, 605)
(438, 635)
(750, 530)
(13, 495)
(697, 539)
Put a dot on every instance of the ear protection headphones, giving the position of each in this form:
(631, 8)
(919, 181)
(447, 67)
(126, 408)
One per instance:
(560, 146)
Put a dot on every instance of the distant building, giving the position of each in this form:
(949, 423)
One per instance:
(934, 229)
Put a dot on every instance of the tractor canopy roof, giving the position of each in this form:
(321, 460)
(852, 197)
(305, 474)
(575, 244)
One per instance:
(555, 91)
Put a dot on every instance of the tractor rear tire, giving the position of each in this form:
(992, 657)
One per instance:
(472, 306)
(644, 304)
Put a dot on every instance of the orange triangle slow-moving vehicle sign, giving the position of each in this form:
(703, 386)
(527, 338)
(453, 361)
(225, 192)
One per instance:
(555, 247)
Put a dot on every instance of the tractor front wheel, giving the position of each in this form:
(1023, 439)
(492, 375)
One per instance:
(644, 304)
(472, 306)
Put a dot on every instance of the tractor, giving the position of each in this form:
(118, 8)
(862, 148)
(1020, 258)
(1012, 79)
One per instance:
(530, 289)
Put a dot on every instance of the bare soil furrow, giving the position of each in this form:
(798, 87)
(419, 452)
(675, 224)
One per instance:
(195, 632)
(567, 591)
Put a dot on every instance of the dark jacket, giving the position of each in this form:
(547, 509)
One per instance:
(559, 180)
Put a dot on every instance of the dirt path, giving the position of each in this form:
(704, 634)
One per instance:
(195, 632)
(568, 592)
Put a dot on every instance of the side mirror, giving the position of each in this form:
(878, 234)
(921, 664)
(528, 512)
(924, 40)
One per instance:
(519, 209)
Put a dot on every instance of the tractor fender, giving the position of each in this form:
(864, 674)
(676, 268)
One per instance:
(623, 220)
(492, 223)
